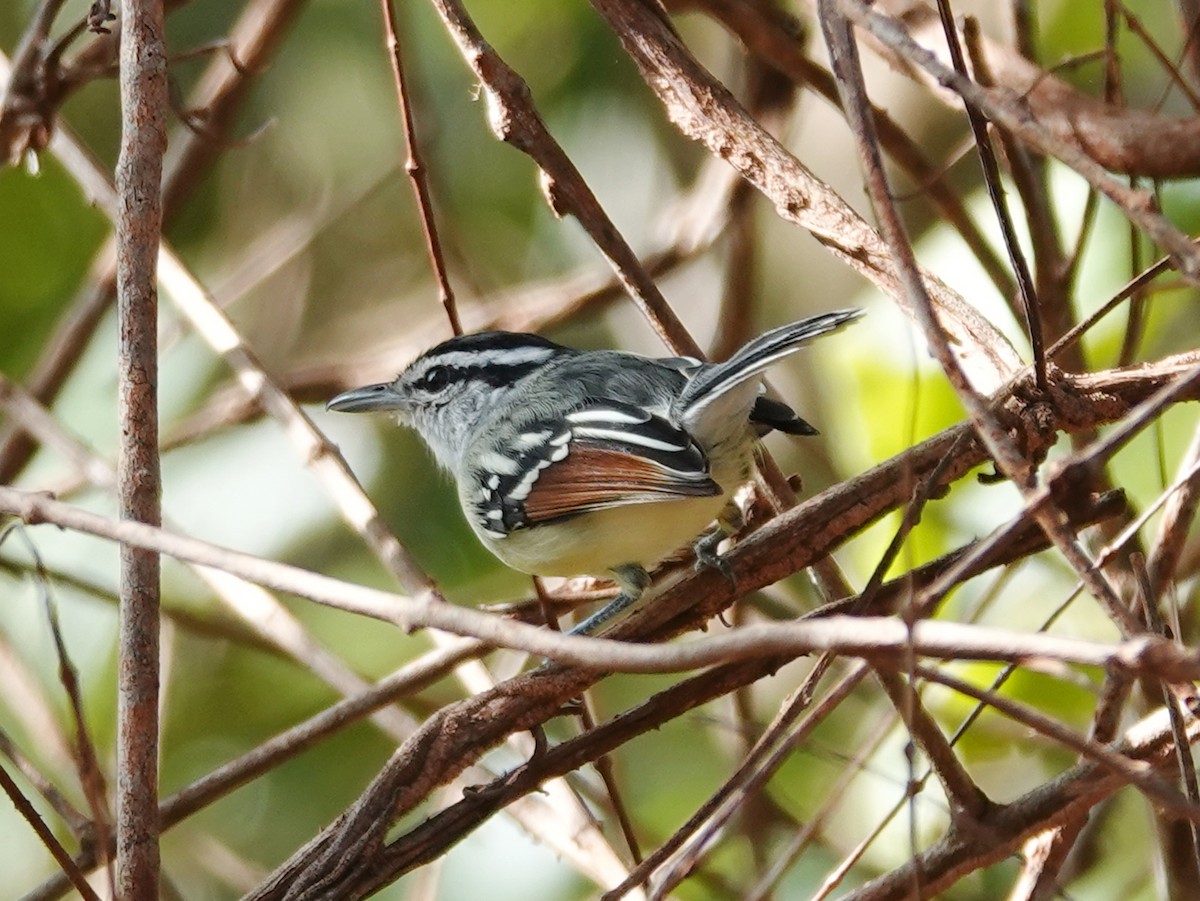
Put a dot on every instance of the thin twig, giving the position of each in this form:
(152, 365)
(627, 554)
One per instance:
(80, 825)
(1006, 111)
(604, 766)
(29, 812)
(91, 777)
(415, 167)
(1190, 865)
(1173, 74)
(704, 110)
(991, 178)
(1176, 522)
(515, 120)
(253, 40)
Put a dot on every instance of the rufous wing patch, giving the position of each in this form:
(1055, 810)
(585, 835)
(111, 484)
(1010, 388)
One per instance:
(597, 478)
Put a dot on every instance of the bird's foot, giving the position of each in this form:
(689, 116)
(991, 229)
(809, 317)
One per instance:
(705, 549)
(633, 581)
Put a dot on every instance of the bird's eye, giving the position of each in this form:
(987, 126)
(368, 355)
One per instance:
(435, 379)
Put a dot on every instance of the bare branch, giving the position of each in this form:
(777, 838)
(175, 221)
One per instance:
(144, 104)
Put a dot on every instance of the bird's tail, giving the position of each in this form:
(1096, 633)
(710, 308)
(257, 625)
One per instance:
(712, 383)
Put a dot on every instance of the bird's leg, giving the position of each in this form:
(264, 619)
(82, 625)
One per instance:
(729, 523)
(633, 580)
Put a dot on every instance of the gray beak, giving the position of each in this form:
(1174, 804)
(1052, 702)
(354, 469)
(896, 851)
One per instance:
(368, 399)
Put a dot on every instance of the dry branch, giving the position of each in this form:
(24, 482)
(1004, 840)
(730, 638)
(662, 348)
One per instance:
(139, 483)
(1136, 142)
(704, 109)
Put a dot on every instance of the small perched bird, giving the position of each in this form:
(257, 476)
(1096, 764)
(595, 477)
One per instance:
(572, 462)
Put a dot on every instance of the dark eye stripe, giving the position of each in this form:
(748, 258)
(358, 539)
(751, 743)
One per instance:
(495, 368)
(500, 376)
(435, 379)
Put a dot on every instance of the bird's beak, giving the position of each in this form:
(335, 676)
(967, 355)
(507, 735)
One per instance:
(369, 399)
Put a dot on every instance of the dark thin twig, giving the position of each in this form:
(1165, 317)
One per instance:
(515, 119)
(415, 167)
(1052, 274)
(769, 752)
(1189, 12)
(1016, 466)
(1087, 223)
(604, 766)
(1114, 88)
(144, 106)
(1174, 76)
(1183, 754)
(1176, 522)
(91, 776)
(1023, 26)
(79, 824)
(991, 178)
(1135, 324)
(29, 812)
(255, 37)
(1114, 93)
(1133, 290)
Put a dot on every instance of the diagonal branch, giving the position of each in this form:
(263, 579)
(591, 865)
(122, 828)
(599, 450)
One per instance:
(706, 111)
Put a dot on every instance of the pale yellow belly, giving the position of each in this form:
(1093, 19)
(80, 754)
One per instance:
(595, 542)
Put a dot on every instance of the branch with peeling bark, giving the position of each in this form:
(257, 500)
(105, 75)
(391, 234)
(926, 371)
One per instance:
(705, 110)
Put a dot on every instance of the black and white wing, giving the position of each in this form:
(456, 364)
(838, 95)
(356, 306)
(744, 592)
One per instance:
(601, 455)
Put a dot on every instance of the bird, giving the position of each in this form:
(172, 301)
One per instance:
(593, 462)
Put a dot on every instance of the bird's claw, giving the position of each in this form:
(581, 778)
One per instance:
(707, 557)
